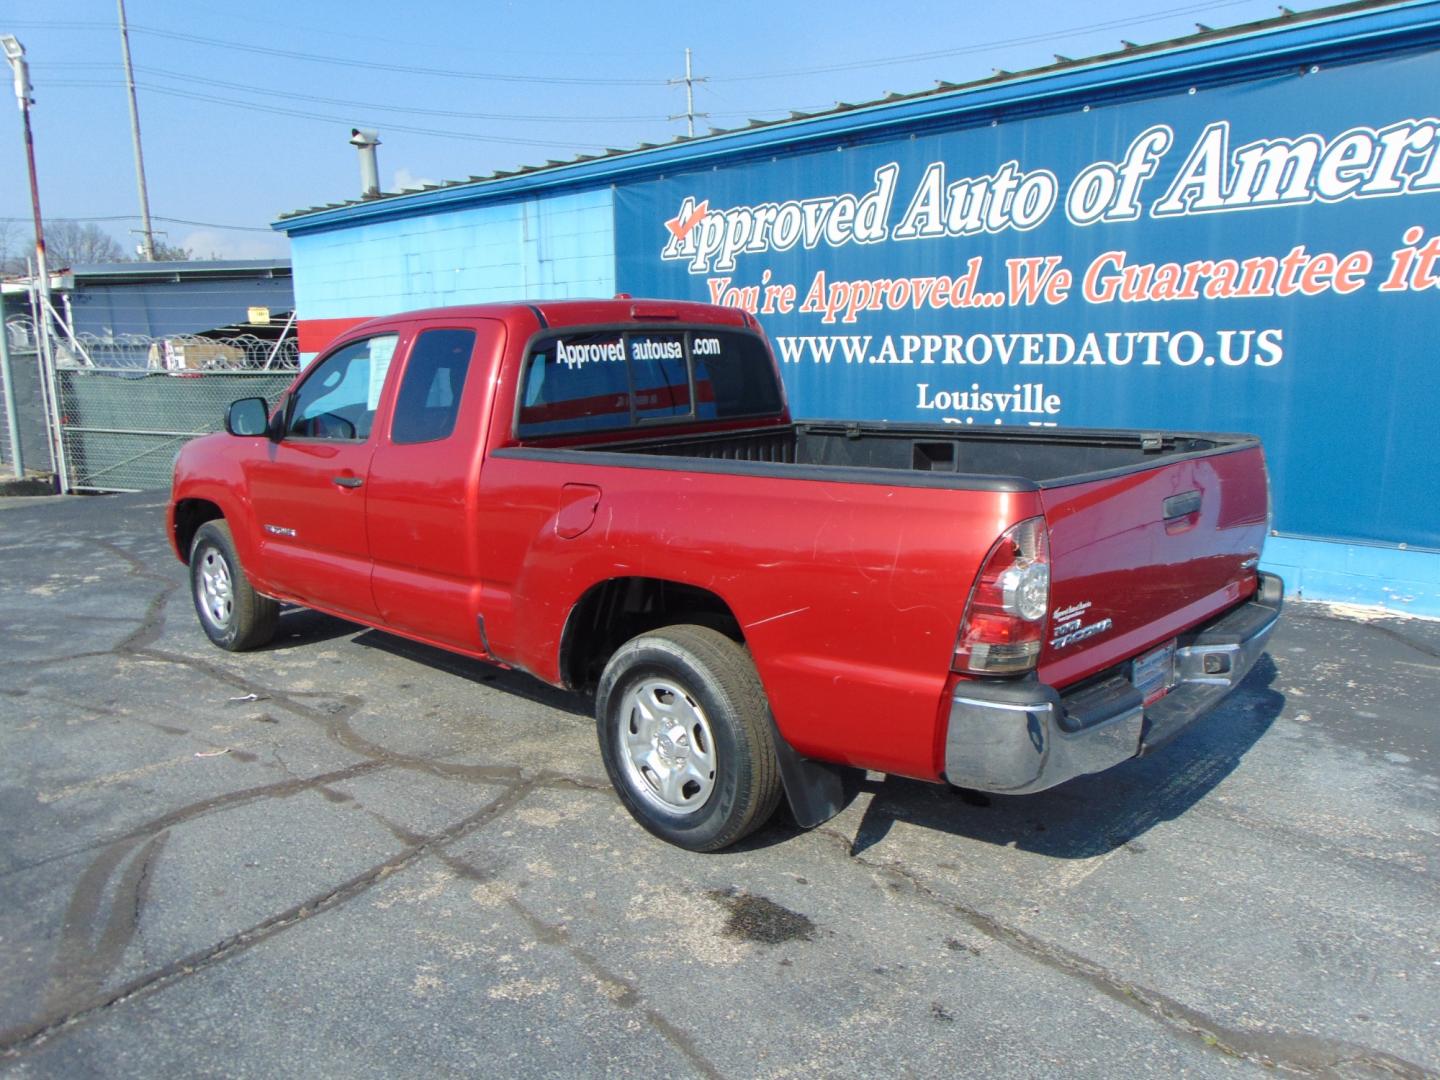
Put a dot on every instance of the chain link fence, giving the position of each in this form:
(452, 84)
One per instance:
(126, 403)
(7, 456)
(31, 416)
(122, 427)
(9, 389)
(180, 352)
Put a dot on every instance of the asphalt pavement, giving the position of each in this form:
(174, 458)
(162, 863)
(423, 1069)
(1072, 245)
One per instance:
(348, 855)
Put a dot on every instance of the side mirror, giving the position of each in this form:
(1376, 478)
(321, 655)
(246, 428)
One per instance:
(248, 416)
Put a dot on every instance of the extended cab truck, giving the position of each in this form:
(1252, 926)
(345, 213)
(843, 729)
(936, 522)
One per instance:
(612, 496)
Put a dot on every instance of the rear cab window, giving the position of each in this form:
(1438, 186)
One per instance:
(613, 379)
(429, 397)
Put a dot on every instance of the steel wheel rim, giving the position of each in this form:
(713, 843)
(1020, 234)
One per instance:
(666, 746)
(215, 590)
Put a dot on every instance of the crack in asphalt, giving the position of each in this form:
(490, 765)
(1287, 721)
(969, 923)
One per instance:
(1275, 1048)
(1364, 861)
(81, 964)
(76, 1008)
(628, 995)
(205, 807)
(1294, 611)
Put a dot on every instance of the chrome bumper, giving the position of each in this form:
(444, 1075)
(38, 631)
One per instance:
(1022, 736)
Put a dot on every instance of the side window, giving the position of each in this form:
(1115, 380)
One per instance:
(429, 397)
(337, 400)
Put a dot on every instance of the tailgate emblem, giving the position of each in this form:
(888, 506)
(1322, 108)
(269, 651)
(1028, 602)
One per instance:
(1080, 633)
(1070, 625)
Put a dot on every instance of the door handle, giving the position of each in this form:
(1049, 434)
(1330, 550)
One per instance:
(347, 481)
(1178, 506)
(1182, 512)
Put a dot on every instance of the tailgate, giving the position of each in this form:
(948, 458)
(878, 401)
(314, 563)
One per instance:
(1138, 558)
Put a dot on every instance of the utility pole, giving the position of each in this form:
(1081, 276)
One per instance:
(689, 80)
(147, 238)
(15, 54)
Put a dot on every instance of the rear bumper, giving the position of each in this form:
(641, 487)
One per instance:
(1022, 736)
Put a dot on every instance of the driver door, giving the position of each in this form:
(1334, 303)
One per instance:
(309, 489)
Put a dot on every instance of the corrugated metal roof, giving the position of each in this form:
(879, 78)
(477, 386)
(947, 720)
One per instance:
(172, 270)
(182, 268)
(951, 97)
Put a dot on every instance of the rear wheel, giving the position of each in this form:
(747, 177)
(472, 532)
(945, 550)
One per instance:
(233, 615)
(685, 734)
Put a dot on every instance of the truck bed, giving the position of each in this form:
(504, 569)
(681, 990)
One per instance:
(949, 456)
(1150, 533)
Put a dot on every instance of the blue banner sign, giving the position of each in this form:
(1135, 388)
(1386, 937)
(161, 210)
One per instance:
(1262, 256)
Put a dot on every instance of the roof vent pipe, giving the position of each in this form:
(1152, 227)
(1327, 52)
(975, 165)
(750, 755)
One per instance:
(365, 142)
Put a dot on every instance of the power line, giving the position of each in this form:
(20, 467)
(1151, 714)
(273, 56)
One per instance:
(250, 89)
(390, 41)
(344, 61)
(1111, 24)
(985, 46)
(350, 120)
(136, 217)
(416, 111)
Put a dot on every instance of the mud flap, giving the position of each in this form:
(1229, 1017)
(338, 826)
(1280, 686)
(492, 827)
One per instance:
(816, 790)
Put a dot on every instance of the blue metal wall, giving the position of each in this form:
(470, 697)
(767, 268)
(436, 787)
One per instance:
(534, 248)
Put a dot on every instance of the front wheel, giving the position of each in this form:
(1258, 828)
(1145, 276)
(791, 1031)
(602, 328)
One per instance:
(233, 615)
(686, 737)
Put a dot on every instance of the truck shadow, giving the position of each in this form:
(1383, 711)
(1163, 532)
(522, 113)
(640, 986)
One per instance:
(300, 627)
(478, 671)
(1091, 815)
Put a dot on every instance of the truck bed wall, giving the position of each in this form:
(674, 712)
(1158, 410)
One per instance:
(1041, 457)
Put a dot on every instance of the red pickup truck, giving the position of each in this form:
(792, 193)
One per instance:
(612, 496)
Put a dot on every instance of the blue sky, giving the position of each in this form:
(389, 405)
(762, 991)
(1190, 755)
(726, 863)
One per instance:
(460, 89)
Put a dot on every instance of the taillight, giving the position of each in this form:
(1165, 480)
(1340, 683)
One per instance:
(1004, 621)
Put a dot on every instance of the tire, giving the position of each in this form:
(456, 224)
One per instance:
(712, 776)
(233, 615)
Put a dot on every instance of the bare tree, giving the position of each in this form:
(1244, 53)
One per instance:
(167, 253)
(70, 243)
(14, 246)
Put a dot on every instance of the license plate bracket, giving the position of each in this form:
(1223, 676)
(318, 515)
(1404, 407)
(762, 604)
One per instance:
(1153, 673)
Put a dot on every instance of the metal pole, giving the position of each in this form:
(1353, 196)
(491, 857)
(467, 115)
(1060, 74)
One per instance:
(279, 341)
(15, 56)
(689, 97)
(49, 386)
(17, 454)
(689, 80)
(147, 240)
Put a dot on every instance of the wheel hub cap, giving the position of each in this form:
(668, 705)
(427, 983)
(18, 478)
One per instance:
(666, 746)
(215, 589)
